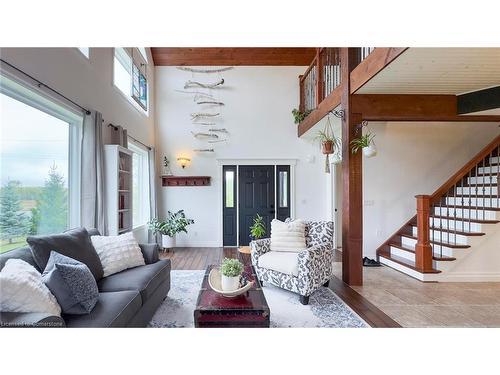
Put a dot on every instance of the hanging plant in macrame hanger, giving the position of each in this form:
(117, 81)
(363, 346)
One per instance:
(328, 142)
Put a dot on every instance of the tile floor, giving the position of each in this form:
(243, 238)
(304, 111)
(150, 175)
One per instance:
(415, 304)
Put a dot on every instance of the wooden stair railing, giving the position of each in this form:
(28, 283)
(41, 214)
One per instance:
(425, 203)
(471, 191)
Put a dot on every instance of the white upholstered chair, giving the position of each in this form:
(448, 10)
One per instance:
(301, 272)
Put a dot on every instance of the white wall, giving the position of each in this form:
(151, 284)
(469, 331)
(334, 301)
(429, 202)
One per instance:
(87, 82)
(413, 158)
(90, 84)
(259, 101)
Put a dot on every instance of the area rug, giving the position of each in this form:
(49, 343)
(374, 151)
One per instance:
(325, 309)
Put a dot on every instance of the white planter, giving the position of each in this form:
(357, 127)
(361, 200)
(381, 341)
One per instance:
(167, 242)
(229, 284)
(370, 151)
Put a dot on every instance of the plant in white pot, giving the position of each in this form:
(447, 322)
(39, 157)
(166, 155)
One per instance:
(168, 228)
(230, 270)
(365, 142)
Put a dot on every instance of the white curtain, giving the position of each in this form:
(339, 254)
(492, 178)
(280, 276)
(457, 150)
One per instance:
(93, 205)
(153, 208)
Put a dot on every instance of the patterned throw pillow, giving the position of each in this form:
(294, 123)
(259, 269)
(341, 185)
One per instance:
(72, 283)
(22, 290)
(117, 253)
(288, 236)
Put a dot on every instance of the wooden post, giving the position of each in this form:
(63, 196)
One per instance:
(319, 78)
(301, 94)
(423, 248)
(352, 202)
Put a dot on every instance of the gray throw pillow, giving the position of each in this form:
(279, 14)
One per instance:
(72, 283)
(74, 243)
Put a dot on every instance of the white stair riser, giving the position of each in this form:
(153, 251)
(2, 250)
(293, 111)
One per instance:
(403, 254)
(489, 170)
(479, 202)
(495, 160)
(483, 180)
(467, 213)
(480, 190)
(402, 268)
(437, 249)
(445, 237)
(455, 224)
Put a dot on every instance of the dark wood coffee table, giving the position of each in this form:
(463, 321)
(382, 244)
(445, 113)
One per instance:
(246, 310)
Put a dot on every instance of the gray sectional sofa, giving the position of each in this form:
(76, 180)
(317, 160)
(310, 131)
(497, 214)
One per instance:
(126, 299)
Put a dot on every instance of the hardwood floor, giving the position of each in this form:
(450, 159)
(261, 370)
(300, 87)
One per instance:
(198, 258)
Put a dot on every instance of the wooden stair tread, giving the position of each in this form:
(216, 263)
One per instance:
(470, 207)
(403, 261)
(462, 233)
(447, 244)
(434, 257)
(479, 221)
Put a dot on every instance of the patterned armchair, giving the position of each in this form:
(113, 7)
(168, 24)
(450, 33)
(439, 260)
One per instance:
(302, 272)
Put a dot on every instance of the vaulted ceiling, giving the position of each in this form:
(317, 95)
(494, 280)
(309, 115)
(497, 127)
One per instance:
(226, 56)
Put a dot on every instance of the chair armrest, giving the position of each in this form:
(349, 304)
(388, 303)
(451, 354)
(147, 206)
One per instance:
(316, 265)
(150, 252)
(19, 319)
(258, 248)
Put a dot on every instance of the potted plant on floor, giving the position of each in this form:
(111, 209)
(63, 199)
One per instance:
(365, 142)
(230, 270)
(258, 229)
(168, 228)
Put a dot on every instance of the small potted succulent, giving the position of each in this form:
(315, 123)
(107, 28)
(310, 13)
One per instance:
(168, 228)
(230, 270)
(365, 142)
(258, 229)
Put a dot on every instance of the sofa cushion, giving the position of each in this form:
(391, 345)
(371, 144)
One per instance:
(22, 290)
(72, 283)
(23, 253)
(144, 279)
(288, 236)
(74, 243)
(281, 261)
(113, 309)
(118, 253)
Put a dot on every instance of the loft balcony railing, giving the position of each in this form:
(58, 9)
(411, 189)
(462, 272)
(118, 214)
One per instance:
(323, 76)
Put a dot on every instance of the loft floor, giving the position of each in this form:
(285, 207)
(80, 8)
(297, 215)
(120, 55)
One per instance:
(412, 303)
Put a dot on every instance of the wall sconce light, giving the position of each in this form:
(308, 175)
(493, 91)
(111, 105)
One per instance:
(183, 162)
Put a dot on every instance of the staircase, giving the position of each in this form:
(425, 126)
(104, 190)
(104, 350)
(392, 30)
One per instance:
(455, 234)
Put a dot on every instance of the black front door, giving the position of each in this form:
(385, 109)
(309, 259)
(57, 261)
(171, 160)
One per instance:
(256, 196)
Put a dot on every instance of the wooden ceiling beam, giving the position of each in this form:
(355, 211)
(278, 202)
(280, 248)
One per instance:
(481, 100)
(225, 56)
(413, 107)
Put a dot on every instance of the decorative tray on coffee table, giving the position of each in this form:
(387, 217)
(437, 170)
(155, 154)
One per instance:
(214, 280)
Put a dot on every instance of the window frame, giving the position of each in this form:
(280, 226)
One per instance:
(84, 51)
(17, 88)
(137, 148)
(129, 61)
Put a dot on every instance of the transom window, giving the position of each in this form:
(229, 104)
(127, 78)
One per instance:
(130, 75)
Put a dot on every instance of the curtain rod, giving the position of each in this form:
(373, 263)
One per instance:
(134, 139)
(40, 84)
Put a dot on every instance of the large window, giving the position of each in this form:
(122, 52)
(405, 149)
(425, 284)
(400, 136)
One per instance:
(130, 75)
(39, 165)
(140, 184)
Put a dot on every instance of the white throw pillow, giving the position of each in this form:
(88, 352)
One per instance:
(22, 290)
(289, 236)
(117, 253)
